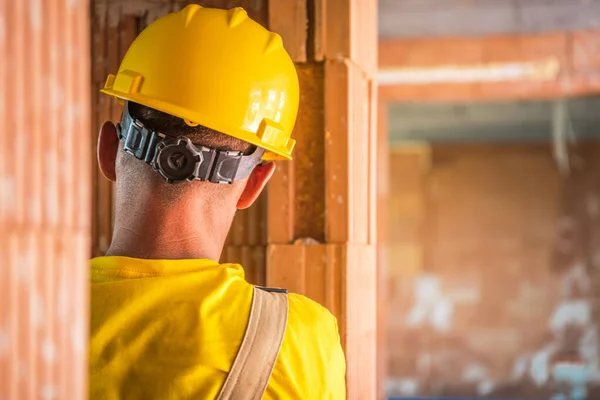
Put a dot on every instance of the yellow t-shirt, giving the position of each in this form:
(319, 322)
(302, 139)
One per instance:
(171, 330)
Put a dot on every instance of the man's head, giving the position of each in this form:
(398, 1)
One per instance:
(135, 178)
(224, 82)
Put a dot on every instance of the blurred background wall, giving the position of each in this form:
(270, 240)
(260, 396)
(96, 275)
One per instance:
(493, 255)
(490, 111)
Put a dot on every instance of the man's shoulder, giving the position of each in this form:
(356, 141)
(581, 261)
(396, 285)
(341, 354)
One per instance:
(308, 314)
(307, 308)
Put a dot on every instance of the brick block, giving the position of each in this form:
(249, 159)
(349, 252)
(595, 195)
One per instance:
(347, 29)
(343, 279)
(296, 192)
(289, 19)
(249, 226)
(312, 270)
(347, 153)
(309, 155)
(252, 258)
(359, 319)
(286, 267)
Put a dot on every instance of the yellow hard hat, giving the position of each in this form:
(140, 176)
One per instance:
(216, 68)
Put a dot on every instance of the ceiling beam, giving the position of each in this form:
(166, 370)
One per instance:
(490, 68)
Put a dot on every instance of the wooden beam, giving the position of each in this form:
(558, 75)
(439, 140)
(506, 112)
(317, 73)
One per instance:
(574, 54)
(581, 85)
(432, 52)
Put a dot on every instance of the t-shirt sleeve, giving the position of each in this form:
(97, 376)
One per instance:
(337, 368)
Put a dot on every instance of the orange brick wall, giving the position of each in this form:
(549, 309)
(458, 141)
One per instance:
(45, 161)
(491, 264)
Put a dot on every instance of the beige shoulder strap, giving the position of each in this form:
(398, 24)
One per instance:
(256, 357)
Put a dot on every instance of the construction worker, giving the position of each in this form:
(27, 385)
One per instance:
(210, 98)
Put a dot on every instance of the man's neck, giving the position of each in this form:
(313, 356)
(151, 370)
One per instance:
(155, 234)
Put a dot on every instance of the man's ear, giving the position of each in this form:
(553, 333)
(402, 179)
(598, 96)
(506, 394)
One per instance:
(108, 145)
(256, 183)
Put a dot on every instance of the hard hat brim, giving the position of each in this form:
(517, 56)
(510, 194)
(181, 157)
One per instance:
(272, 152)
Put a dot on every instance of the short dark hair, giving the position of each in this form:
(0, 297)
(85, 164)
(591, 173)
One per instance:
(175, 127)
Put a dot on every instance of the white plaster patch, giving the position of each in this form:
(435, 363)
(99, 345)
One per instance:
(579, 392)
(485, 387)
(402, 386)
(35, 14)
(427, 289)
(520, 367)
(474, 372)
(570, 373)
(416, 316)
(48, 351)
(441, 318)
(576, 278)
(430, 307)
(574, 312)
(539, 370)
